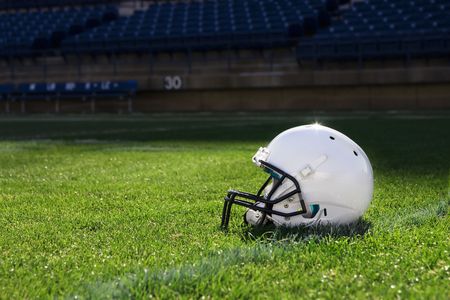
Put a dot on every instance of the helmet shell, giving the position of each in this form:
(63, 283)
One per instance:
(332, 170)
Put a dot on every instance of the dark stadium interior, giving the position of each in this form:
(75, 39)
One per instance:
(91, 56)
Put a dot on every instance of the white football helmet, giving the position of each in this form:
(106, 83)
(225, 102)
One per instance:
(317, 176)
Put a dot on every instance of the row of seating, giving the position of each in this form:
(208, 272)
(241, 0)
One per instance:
(385, 47)
(26, 33)
(383, 29)
(72, 90)
(36, 4)
(206, 25)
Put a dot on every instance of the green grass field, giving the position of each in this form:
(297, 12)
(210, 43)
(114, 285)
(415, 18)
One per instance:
(129, 207)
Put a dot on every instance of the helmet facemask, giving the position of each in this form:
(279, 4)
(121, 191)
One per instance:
(279, 187)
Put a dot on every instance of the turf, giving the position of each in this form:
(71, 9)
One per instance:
(119, 207)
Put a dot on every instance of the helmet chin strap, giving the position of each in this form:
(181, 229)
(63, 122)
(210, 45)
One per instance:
(258, 218)
(255, 217)
(307, 222)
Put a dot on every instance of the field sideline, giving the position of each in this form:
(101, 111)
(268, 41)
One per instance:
(129, 206)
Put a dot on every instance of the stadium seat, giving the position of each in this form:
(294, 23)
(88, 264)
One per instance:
(33, 4)
(383, 29)
(38, 32)
(108, 89)
(6, 91)
(35, 91)
(60, 91)
(207, 25)
(95, 90)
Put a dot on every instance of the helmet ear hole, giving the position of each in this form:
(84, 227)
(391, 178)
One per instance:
(332, 138)
(356, 153)
(314, 209)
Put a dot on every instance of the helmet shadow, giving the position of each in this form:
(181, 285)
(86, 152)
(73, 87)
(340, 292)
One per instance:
(271, 233)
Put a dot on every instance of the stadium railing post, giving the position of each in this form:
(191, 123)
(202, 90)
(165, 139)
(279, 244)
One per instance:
(130, 105)
(189, 60)
(79, 62)
(57, 104)
(12, 71)
(22, 106)
(151, 62)
(93, 104)
(114, 64)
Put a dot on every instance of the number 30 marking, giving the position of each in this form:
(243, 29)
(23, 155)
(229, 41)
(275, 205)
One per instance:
(173, 83)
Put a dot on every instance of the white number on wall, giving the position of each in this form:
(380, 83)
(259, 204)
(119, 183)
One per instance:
(172, 83)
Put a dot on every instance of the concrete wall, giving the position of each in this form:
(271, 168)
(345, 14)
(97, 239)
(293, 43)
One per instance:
(359, 97)
(305, 78)
(213, 83)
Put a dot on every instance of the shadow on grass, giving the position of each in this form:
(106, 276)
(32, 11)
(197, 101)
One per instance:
(366, 128)
(270, 233)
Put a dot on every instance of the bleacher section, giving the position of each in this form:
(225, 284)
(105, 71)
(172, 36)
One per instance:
(365, 30)
(380, 29)
(206, 25)
(30, 33)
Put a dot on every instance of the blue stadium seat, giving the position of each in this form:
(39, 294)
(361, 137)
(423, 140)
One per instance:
(36, 32)
(208, 25)
(383, 29)
(109, 89)
(33, 4)
(306, 50)
(347, 48)
(6, 91)
(119, 90)
(33, 91)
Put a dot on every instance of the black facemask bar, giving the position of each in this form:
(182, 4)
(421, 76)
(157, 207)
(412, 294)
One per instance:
(237, 197)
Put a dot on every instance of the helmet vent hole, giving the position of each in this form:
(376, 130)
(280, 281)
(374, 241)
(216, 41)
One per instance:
(332, 137)
(356, 153)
